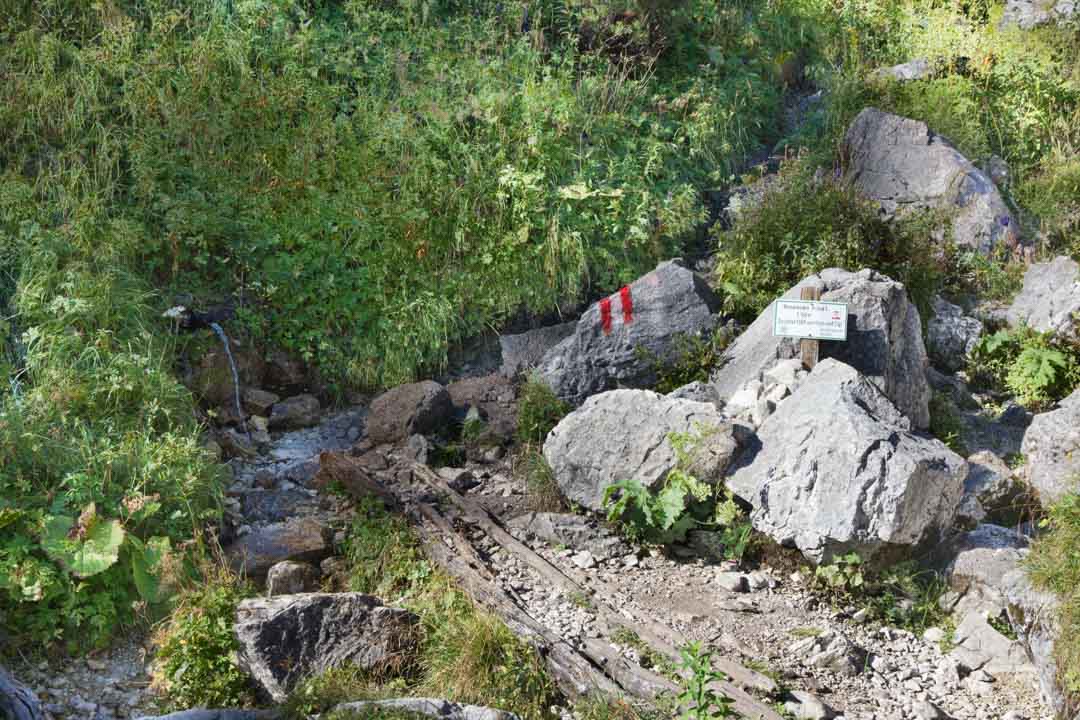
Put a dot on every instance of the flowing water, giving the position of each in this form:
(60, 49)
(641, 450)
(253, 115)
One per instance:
(235, 375)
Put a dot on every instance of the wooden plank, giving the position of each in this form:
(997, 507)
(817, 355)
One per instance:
(809, 349)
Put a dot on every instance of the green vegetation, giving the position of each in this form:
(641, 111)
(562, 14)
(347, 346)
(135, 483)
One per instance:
(466, 654)
(1037, 368)
(945, 423)
(694, 358)
(698, 700)
(196, 648)
(539, 410)
(1054, 564)
(682, 502)
(901, 595)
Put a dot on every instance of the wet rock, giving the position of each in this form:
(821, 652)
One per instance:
(442, 709)
(624, 435)
(524, 351)
(286, 639)
(212, 380)
(668, 302)
(299, 411)
(838, 470)
(884, 342)
(299, 539)
(1050, 446)
(422, 408)
(259, 402)
(290, 578)
(951, 335)
(904, 166)
(1050, 298)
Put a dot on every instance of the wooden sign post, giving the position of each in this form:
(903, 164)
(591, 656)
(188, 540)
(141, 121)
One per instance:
(809, 348)
(811, 321)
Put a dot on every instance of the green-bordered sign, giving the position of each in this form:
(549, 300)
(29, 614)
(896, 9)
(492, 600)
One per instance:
(810, 319)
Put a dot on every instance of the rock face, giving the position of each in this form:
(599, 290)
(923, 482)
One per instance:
(524, 351)
(623, 435)
(641, 327)
(1028, 14)
(1052, 448)
(299, 411)
(420, 408)
(1050, 298)
(1033, 614)
(991, 492)
(290, 578)
(288, 638)
(951, 335)
(884, 341)
(902, 165)
(838, 470)
(975, 564)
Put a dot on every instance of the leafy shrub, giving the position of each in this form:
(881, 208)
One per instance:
(945, 423)
(681, 503)
(807, 224)
(466, 655)
(698, 699)
(693, 358)
(539, 410)
(1037, 368)
(196, 649)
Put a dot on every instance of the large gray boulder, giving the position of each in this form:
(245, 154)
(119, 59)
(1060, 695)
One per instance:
(951, 335)
(420, 408)
(975, 564)
(286, 639)
(1034, 616)
(624, 435)
(522, 352)
(1052, 448)
(1050, 298)
(904, 167)
(885, 341)
(668, 302)
(1027, 14)
(836, 469)
(431, 707)
(17, 702)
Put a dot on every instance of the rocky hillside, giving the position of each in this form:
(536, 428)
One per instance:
(263, 450)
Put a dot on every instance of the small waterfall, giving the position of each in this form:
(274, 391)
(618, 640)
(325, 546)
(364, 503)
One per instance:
(235, 375)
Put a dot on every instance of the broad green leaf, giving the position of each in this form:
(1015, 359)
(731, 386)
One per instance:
(95, 552)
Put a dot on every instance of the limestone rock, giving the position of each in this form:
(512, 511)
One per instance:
(917, 69)
(975, 565)
(1052, 448)
(259, 402)
(838, 470)
(299, 539)
(572, 531)
(668, 302)
(296, 412)
(804, 706)
(17, 702)
(904, 166)
(884, 342)
(286, 639)
(524, 351)
(1028, 14)
(1033, 614)
(421, 408)
(1050, 298)
(623, 435)
(290, 577)
(951, 335)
